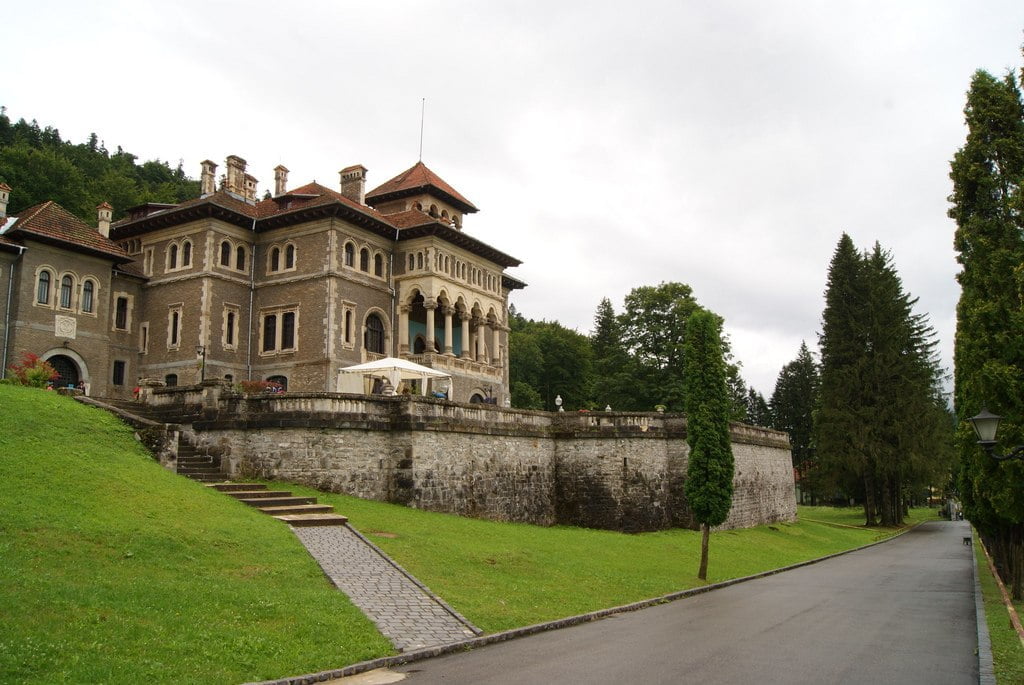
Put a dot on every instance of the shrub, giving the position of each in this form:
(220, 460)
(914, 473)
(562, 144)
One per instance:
(257, 387)
(32, 371)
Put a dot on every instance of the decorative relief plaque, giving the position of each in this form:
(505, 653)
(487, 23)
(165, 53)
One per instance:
(65, 327)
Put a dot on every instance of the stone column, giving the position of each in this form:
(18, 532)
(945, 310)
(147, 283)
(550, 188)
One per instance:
(448, 346)
(496, 344)
(467, 349)
(479, 340)
(430, 306)
(403, 329)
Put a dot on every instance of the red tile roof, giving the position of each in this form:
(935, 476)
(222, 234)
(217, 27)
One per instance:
(419, 179)
(51, 222)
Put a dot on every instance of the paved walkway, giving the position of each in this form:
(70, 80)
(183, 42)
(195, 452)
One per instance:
(405, 611)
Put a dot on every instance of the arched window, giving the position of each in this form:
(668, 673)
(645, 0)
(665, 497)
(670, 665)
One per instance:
(364, 260)
(225, 253)
(67, 286)
(419, 345)
(275, 259)
(412, 262)
(433, 211)
(289, 257)
(280, 380)
(374, 341)
(172, 256)
(186, 253)
(419, 260)
(88, 289)
(240, 258)
(350, 254)
(43, 288)
(378, 265)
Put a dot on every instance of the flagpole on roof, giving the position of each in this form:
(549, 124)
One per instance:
(423, 110)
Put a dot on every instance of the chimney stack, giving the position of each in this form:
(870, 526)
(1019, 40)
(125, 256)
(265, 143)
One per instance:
(236, 175)
(104, 212)
(280, 180)
(207, 179)
(5, 197)
(353, 183)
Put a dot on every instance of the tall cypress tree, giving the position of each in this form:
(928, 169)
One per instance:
(709, 474)
(988, 206)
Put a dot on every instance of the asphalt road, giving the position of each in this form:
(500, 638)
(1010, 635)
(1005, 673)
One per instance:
(900, 612)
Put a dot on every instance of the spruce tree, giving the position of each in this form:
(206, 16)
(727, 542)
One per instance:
(709, 474)
(792, 410)
(613, 379)
(988, 206)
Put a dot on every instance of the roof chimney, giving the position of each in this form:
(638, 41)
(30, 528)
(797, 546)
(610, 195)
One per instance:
(353, 183)
(5, 196)
(207, 179)
(236, 175)
(280, 180)
(104, 212)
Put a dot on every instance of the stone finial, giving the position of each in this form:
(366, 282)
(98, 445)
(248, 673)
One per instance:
(280, 179)
(208, 178)
(104, 212)
(353, 183)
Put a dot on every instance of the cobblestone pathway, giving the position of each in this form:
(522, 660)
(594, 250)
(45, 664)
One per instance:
(404, 611)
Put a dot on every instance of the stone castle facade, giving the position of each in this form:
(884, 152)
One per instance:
(289, 288)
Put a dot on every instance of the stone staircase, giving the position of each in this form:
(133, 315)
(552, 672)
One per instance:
(281, 504)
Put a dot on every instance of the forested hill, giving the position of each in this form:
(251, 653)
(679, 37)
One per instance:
(40, 166)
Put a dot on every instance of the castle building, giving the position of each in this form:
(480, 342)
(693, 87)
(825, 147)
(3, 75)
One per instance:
(289, 288)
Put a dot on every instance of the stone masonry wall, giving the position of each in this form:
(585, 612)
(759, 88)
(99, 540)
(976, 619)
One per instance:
(601, 470)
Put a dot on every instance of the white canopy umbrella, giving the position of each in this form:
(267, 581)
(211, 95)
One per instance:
(392, 368)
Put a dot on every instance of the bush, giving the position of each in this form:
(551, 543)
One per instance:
(32, 371)
(257, 387)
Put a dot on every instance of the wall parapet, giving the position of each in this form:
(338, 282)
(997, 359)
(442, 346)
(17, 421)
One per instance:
(616, 470)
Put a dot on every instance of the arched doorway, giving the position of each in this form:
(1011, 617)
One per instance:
(67, 370)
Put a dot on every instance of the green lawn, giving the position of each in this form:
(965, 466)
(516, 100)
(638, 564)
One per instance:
(115, 570)
(506, 575)
(1007, 650)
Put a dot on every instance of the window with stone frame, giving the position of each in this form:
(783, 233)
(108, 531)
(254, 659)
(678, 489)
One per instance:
(174, 326)
(186, 254)
(374, 338)
(144, 337)
(229, 337)
(88, 303)
(350, 254)
(67, 290)
(279, 330)
(364, 260)
(172, 256)
(348, 325)
(117, 378)
(225, 253)
(122, 312)
(378, 265)
(43, 287)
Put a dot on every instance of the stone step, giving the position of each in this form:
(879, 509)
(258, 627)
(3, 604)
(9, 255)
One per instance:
(313, 519)
(299, 509)
(198, 468)
(204, 477)
(235, 487)
(252, 494)
(261, 502)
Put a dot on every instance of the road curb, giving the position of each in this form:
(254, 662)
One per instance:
(483, 641)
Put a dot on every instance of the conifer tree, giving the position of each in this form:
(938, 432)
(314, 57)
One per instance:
(709, 474)
(988, 206)
(613, 373)
(792, 410)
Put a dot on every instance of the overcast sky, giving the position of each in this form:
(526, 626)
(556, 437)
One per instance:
(608, 145)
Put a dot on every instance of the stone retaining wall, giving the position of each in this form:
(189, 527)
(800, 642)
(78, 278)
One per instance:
(609, 470)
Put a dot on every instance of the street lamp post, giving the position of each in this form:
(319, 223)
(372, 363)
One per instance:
(201, 356)
(985, 426)
(558, 402)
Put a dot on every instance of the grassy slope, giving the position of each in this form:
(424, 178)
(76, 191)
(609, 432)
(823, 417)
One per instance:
(1007, 651)
(115, 570)
(506, 575)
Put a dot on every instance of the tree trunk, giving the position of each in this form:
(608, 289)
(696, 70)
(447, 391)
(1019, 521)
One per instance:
(869, 500)
(706, 534)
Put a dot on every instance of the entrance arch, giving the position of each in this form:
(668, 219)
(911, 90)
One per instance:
(70, 365)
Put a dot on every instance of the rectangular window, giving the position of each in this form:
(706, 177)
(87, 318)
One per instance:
(119, 368)
(144, 338)
(121, 314)
(229, 330)
(147, 262)
(270, 332)
(288, 331)
(280, 331)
